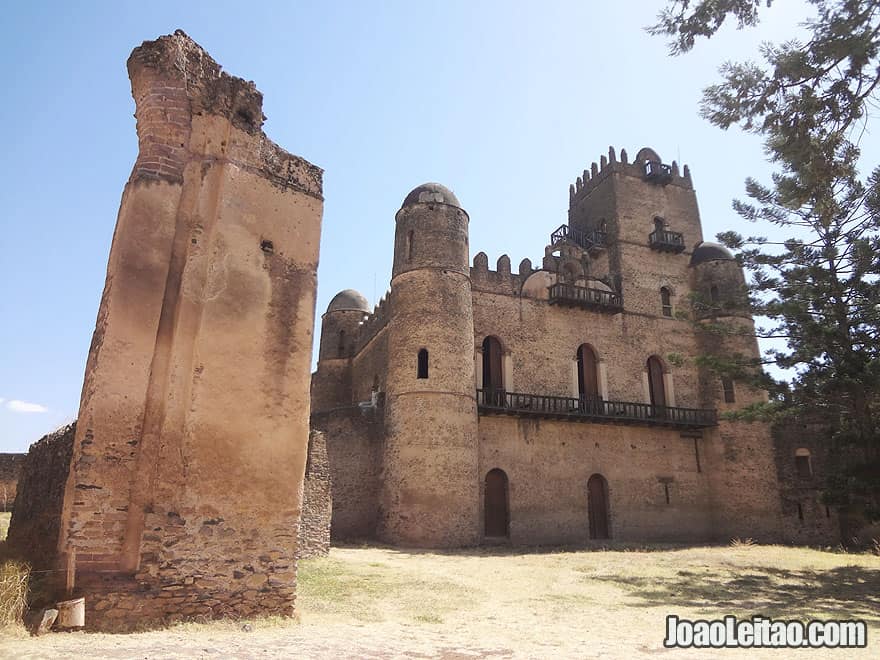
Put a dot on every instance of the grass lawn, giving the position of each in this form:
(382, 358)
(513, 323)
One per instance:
(379, 602)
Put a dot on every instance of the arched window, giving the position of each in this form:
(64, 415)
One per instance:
(659, 223)
(666, 301)
(588, 372)
(656, 387)
(802, 463)
(497, 504)
(713, 294)
(727, 387)
(341, 347)
(597, 507)
(423, 363)
(493, 372)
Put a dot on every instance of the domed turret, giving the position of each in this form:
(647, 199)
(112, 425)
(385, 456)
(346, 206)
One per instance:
(431, 193)
(348, 300)
(707, 251)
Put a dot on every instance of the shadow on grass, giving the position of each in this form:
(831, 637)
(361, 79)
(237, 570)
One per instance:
(846, 592)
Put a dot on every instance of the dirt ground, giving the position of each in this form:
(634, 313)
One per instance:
(381, 603)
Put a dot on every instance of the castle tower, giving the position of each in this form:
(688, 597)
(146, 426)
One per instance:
(430, 490)
(720, 301)
(331, 383)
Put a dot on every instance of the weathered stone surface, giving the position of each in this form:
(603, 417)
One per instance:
(36, 519)
(409, 456)
(10, 470)
(193, 426)
(314, 527)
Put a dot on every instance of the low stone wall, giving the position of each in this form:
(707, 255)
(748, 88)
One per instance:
(314, 528)
(10, 468)
(36, 517)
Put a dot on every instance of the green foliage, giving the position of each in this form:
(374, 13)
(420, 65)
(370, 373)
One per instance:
(820, 287)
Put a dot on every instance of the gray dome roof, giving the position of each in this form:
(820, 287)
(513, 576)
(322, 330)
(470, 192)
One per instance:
(707, 251)
(348, 300)
(431, 193)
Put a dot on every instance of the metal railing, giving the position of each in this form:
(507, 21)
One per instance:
(657, 172)
(588, 240)
(663, 239)
(562, 293)
(496, 401)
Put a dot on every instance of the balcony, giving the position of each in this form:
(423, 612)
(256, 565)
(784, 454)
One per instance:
(588, 240)
(581, 296)
(666, 241)
(586, 409)
(658, 172)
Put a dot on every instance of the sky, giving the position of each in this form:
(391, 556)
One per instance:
(506, 103)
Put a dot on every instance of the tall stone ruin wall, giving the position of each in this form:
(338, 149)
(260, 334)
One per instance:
(10, 469)
(314, 524)
(36, 518)
(183, 497)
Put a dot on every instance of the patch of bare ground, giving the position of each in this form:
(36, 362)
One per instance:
(371, 602)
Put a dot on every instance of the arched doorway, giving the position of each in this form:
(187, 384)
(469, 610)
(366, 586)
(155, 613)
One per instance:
(597, 507)
(656, 388)
(588, 372)
(497, 513)
(493, 372)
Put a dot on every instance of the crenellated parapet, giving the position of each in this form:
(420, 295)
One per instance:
(501, 280)
(373, 322)
(647, 165)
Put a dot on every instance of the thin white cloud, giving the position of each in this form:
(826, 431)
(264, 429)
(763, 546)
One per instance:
(2, 399)
(25, 407)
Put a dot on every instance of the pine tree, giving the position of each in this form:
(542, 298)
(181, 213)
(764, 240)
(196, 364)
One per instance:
(820, 289)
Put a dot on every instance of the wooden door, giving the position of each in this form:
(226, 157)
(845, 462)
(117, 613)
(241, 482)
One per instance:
(496, 504)
(588, 376)
(597, 507)
(655, 382)
(493, 374)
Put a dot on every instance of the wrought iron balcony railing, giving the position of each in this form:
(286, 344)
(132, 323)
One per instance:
(590, 409)
(581, 296)
(666, 241)
(589, 240)
(658, 172)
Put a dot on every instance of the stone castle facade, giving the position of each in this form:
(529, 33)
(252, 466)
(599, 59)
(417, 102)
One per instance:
(556, 404)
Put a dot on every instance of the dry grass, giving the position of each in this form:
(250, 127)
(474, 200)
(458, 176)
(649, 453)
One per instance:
(5, 517)
(380, 602)
(13, 592)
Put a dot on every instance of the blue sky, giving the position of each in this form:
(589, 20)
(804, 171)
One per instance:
(504, 102)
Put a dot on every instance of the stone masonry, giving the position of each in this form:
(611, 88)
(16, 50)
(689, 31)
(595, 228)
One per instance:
(314, 525)
(183, 497)
(10, 468)
(559, 403)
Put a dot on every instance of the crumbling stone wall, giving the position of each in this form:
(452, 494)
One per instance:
(806, 519)
(36, 518)
(183, 498)
(10, 469)
(314, 526)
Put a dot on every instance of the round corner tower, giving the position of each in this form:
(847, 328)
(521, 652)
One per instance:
(430, 490)
(720, 297)
(331, 384)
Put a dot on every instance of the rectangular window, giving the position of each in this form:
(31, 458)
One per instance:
(727, 386)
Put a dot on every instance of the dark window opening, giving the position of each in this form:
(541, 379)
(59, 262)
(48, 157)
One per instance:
(827, 512)
(697, 455)
(423, 363)
(341, 347)
(727, 386)
(409, 245)
(265, 246)
(659, 223)
(802, 464)
(666, 301)
(666, 490)
(800, 511)
(713, 294)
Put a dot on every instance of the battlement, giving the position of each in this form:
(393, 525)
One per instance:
(597, 173)
(501, 280)
(373, 322)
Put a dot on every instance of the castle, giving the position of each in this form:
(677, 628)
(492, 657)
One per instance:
(553, 405)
